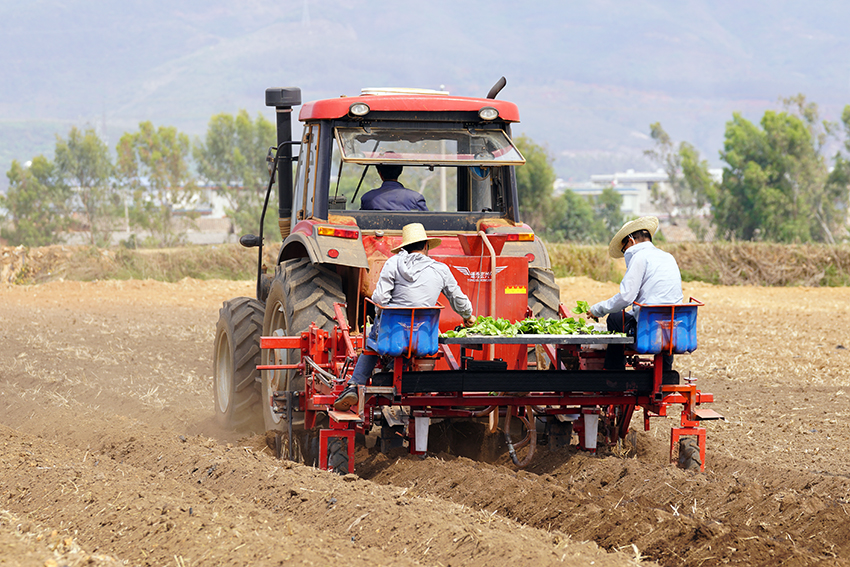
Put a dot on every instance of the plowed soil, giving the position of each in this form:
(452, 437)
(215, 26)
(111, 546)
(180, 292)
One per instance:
(110, 455)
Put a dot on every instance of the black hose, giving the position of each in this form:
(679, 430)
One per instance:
(263, 221)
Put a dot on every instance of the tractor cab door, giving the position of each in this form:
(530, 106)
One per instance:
(310, 174)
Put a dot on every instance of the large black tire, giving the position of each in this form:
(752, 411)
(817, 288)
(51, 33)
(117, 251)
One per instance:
(338, 455)
(689, 458)
(544, 299)
(300, 294)
(544, 296)
(265, 284)
(235, 359)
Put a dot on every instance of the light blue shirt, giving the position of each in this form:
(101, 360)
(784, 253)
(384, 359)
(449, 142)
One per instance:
(652, 278)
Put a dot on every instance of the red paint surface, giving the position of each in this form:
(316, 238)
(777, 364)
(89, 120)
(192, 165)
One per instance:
(338, 107)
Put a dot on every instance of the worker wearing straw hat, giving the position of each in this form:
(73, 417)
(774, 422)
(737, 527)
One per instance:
(652, 278)
(408, 279)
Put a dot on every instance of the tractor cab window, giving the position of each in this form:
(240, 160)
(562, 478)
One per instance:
(305, 176)
(457, 170)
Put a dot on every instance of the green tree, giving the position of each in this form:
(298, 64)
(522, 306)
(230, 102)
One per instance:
(232, 158)
(811, 177)
(573, 219)
(535, 182)
(609, 209)
(688, 177)
(775, 184)
(838, 184)
(701, 188)
(36, 204)
(153, 165)
(84, 164)
(665, 154)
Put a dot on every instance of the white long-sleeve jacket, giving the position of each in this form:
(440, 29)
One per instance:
(652, 278)
(416, 280)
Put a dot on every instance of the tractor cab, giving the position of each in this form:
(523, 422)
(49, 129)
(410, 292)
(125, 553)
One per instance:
(462, 172)
(457, 152)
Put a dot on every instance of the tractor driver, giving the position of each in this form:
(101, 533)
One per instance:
(652, 278)
(392, 195)
(409, 279)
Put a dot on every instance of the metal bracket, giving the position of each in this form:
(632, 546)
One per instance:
(280, 401)
(289, 395)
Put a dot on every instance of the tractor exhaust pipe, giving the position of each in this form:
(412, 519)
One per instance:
(497, 88)
(283, 99)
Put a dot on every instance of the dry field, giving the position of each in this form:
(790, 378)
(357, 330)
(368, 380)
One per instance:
(110, 456)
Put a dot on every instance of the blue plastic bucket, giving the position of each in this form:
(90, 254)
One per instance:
(396, 325)
(667, 328)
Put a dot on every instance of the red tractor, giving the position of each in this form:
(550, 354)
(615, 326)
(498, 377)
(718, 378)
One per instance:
(311, 311)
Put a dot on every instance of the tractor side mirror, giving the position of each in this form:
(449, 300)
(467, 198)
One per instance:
(250, 241)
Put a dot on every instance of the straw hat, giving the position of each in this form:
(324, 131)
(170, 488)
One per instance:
(643, 223)
(415, 232)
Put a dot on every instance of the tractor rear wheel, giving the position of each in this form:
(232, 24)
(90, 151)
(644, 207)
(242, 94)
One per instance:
(300, 293)
(689, 458)
(544, 296)
(235, 360)
(544, 299)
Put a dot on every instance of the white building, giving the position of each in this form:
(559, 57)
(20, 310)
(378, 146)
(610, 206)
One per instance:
(638, 186)
(631, 195)
(634, 186)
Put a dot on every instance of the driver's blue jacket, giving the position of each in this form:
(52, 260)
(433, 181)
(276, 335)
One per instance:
(392, 196)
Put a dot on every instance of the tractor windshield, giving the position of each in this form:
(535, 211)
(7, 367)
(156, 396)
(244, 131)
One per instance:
(457, 170)
(480, 147)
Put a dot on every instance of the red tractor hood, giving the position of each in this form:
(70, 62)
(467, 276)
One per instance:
(338, 107)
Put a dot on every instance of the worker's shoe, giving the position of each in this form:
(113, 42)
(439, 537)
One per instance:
(346, 399)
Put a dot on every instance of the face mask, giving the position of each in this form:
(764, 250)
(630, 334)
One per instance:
(628, 255)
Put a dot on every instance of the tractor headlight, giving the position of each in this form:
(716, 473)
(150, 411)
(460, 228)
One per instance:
(488, 113)
(359, 109)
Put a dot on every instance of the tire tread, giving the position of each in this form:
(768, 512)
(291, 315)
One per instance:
(689, 457)
(544, 296)
(242, 318)
(307, 293)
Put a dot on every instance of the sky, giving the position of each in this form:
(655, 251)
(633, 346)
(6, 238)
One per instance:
(589, 78)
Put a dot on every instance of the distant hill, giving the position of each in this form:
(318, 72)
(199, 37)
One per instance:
(589, 77)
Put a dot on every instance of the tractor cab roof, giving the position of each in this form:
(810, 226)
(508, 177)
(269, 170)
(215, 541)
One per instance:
(404, 100)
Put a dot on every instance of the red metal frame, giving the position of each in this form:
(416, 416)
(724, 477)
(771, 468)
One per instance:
(325, 435)
(690, 424)
(330, 351)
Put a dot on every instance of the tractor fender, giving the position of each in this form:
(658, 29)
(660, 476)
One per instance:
(324, 249)
(298, 246)
(539, 255)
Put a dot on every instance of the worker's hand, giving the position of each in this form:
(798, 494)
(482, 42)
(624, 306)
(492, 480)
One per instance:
(469, 321)
(590, 315)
